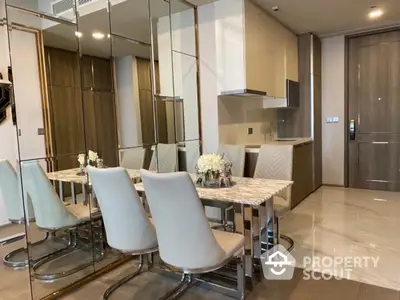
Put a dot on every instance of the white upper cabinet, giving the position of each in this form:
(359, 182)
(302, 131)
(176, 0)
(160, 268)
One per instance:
(253, 50)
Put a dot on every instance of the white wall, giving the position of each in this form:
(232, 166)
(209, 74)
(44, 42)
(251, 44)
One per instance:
(333, 105)
(28, 102)
(127, 91)
(208, 77)
(8, 146)
(28, 96)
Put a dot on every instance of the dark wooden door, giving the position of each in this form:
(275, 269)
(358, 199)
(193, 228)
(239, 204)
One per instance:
(374, 111)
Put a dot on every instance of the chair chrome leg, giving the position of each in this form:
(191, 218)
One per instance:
(241, 276)
(278, 233)
(72, 246)
(7, 260)
(223, 218)
(124, 280)
(280, 236)
(180, 289)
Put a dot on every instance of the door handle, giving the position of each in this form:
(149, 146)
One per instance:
(380, 143)
(352, 130)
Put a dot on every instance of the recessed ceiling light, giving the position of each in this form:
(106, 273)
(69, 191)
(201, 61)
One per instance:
(98, 35)
(78, 34)
(375, 12)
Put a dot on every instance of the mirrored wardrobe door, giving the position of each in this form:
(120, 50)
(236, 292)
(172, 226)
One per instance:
(14, 271)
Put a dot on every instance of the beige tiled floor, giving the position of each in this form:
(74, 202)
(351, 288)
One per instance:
(338, 222)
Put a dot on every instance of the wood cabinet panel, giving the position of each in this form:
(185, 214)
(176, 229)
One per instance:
(102, 74)
(63, 67)
(90, 120)
(67, 122)
(86, 68)
(270, 52)
(106, 127)
(144, 75)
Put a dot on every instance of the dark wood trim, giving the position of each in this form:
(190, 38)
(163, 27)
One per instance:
(333, 185)
(198, 81)
(346, 111)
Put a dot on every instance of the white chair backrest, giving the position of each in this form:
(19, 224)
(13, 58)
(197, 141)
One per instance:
(192, 154)
(50, 212)
(275, 162)
(132, 158)
(184, 237)
(10, 189)
(236, 154)
(165, 156)
(127, 225)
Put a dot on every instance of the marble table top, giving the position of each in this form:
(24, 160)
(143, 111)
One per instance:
(250, 191)
(71, 175)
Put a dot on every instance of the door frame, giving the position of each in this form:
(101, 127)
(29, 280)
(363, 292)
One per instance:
(346, 92)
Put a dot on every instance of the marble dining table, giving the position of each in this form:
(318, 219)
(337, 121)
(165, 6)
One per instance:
(252, 202)
(74, 176)
(250, 198)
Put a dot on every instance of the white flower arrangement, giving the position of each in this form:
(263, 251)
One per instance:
(92, 157)
(210, 163)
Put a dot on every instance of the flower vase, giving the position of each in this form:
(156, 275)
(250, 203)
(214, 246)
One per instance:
(82, 169)
(212, 179)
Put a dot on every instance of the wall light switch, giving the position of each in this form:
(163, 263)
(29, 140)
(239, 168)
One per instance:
(329, 120)
(335, 119)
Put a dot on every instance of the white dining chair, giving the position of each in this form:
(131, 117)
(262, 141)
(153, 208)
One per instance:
(128, 228)
(185, 239)
(52, 215)
(11, 192)
(132, 158)
(236, 154)
(276, 162)
(164, 158)
(10, 187)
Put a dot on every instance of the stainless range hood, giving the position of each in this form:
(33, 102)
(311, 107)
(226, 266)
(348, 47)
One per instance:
(244, 93)
(292, 99)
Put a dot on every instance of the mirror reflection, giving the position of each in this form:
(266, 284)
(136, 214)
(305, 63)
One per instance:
(50, 134)
(115, 86)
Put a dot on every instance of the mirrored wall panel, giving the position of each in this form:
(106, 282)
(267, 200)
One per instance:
(14, 283)
(86, 84)
(49, 123)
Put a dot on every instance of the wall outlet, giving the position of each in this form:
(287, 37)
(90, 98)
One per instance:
(249, 130)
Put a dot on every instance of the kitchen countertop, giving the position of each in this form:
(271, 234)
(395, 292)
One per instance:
(252, 148)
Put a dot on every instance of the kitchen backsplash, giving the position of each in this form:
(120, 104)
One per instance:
(237, 114)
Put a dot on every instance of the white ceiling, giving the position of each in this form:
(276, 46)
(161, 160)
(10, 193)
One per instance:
(330, 17)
